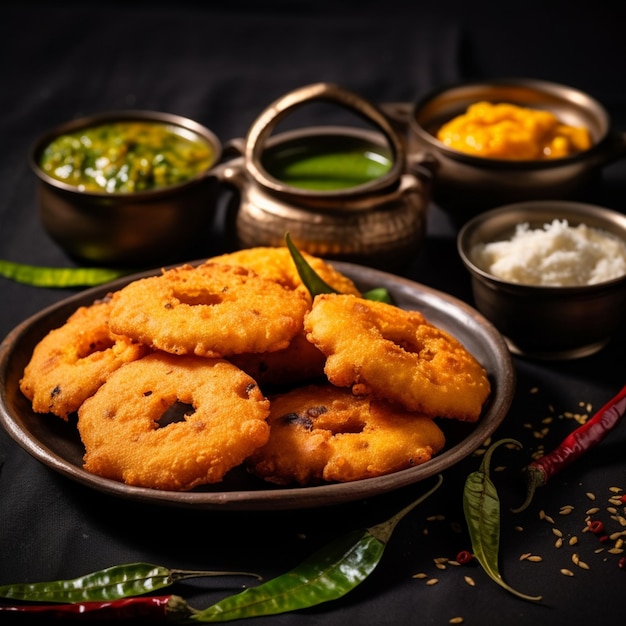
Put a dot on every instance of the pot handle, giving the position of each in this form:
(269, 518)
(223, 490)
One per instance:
(263, 126)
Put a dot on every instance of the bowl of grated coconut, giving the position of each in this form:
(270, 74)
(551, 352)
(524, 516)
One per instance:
(550, 275)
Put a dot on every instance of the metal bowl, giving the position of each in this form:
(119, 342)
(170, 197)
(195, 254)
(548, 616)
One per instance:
(465, 184)
(137, 229)
(545, 322)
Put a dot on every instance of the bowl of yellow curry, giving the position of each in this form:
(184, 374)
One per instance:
(131, 188)
(511, 140)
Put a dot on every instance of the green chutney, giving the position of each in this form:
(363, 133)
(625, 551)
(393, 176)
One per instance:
(126, 157)
(317, 168)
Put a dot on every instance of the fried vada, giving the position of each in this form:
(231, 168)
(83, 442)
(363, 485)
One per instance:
(211, 310)
(127, 438)
(71, 362)
(375, 347)
(277, 264)
(325, 433)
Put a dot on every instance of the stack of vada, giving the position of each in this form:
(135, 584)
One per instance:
(178, 378)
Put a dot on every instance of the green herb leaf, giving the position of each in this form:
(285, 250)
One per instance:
(316, 285)
(481, 506)
(380, 294)
(328, 574)
(308, 275)
(59, 277)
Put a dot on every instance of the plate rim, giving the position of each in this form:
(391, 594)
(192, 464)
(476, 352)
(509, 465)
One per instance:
(276, 498)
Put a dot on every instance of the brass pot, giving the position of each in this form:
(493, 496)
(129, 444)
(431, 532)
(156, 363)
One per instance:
(465, 185)
(379, 222)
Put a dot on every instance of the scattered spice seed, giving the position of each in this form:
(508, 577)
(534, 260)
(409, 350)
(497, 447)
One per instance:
(557, 532)
(590, 495)
(432, 581)
(573, 541)
(456, 620)
(566, 510)
(534, 559)
(470, 581)
(524, 556)
(558, 543)
(567, 572)
(420, 575)
(593, 510)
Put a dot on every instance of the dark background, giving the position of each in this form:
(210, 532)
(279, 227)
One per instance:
(221, 64)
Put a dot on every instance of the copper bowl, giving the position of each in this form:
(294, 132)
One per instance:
(546, 322)
(136, 229)
(465, 184)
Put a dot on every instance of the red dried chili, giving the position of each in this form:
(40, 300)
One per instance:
(153, 608)
(464, 557)
(574, 445)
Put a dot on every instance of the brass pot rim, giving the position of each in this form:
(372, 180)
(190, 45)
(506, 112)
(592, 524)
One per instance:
(94, 119)
(455, 97)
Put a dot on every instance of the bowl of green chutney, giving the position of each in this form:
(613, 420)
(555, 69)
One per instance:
(128, 188)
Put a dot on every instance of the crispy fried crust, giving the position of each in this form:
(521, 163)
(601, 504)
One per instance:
(124, 439)
(212, 310)
(325, 433)
(277, 264)
(71, 362)
(397, 355)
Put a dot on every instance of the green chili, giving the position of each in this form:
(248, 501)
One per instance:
(481, 506)
(59, 277)
(327, 574)
(316, 285)
(119, 581)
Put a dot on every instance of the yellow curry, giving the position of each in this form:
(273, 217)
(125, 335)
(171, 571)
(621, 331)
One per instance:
(508, 131)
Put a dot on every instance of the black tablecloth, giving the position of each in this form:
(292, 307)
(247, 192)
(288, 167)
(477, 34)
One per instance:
(221, 65)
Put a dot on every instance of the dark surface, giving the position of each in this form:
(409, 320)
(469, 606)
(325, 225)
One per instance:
(222, 66)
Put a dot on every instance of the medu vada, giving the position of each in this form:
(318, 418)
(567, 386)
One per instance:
(125, 439)
(71, 362)
(210, 310)
(276, 263)
(321, 433)
(375, 347)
